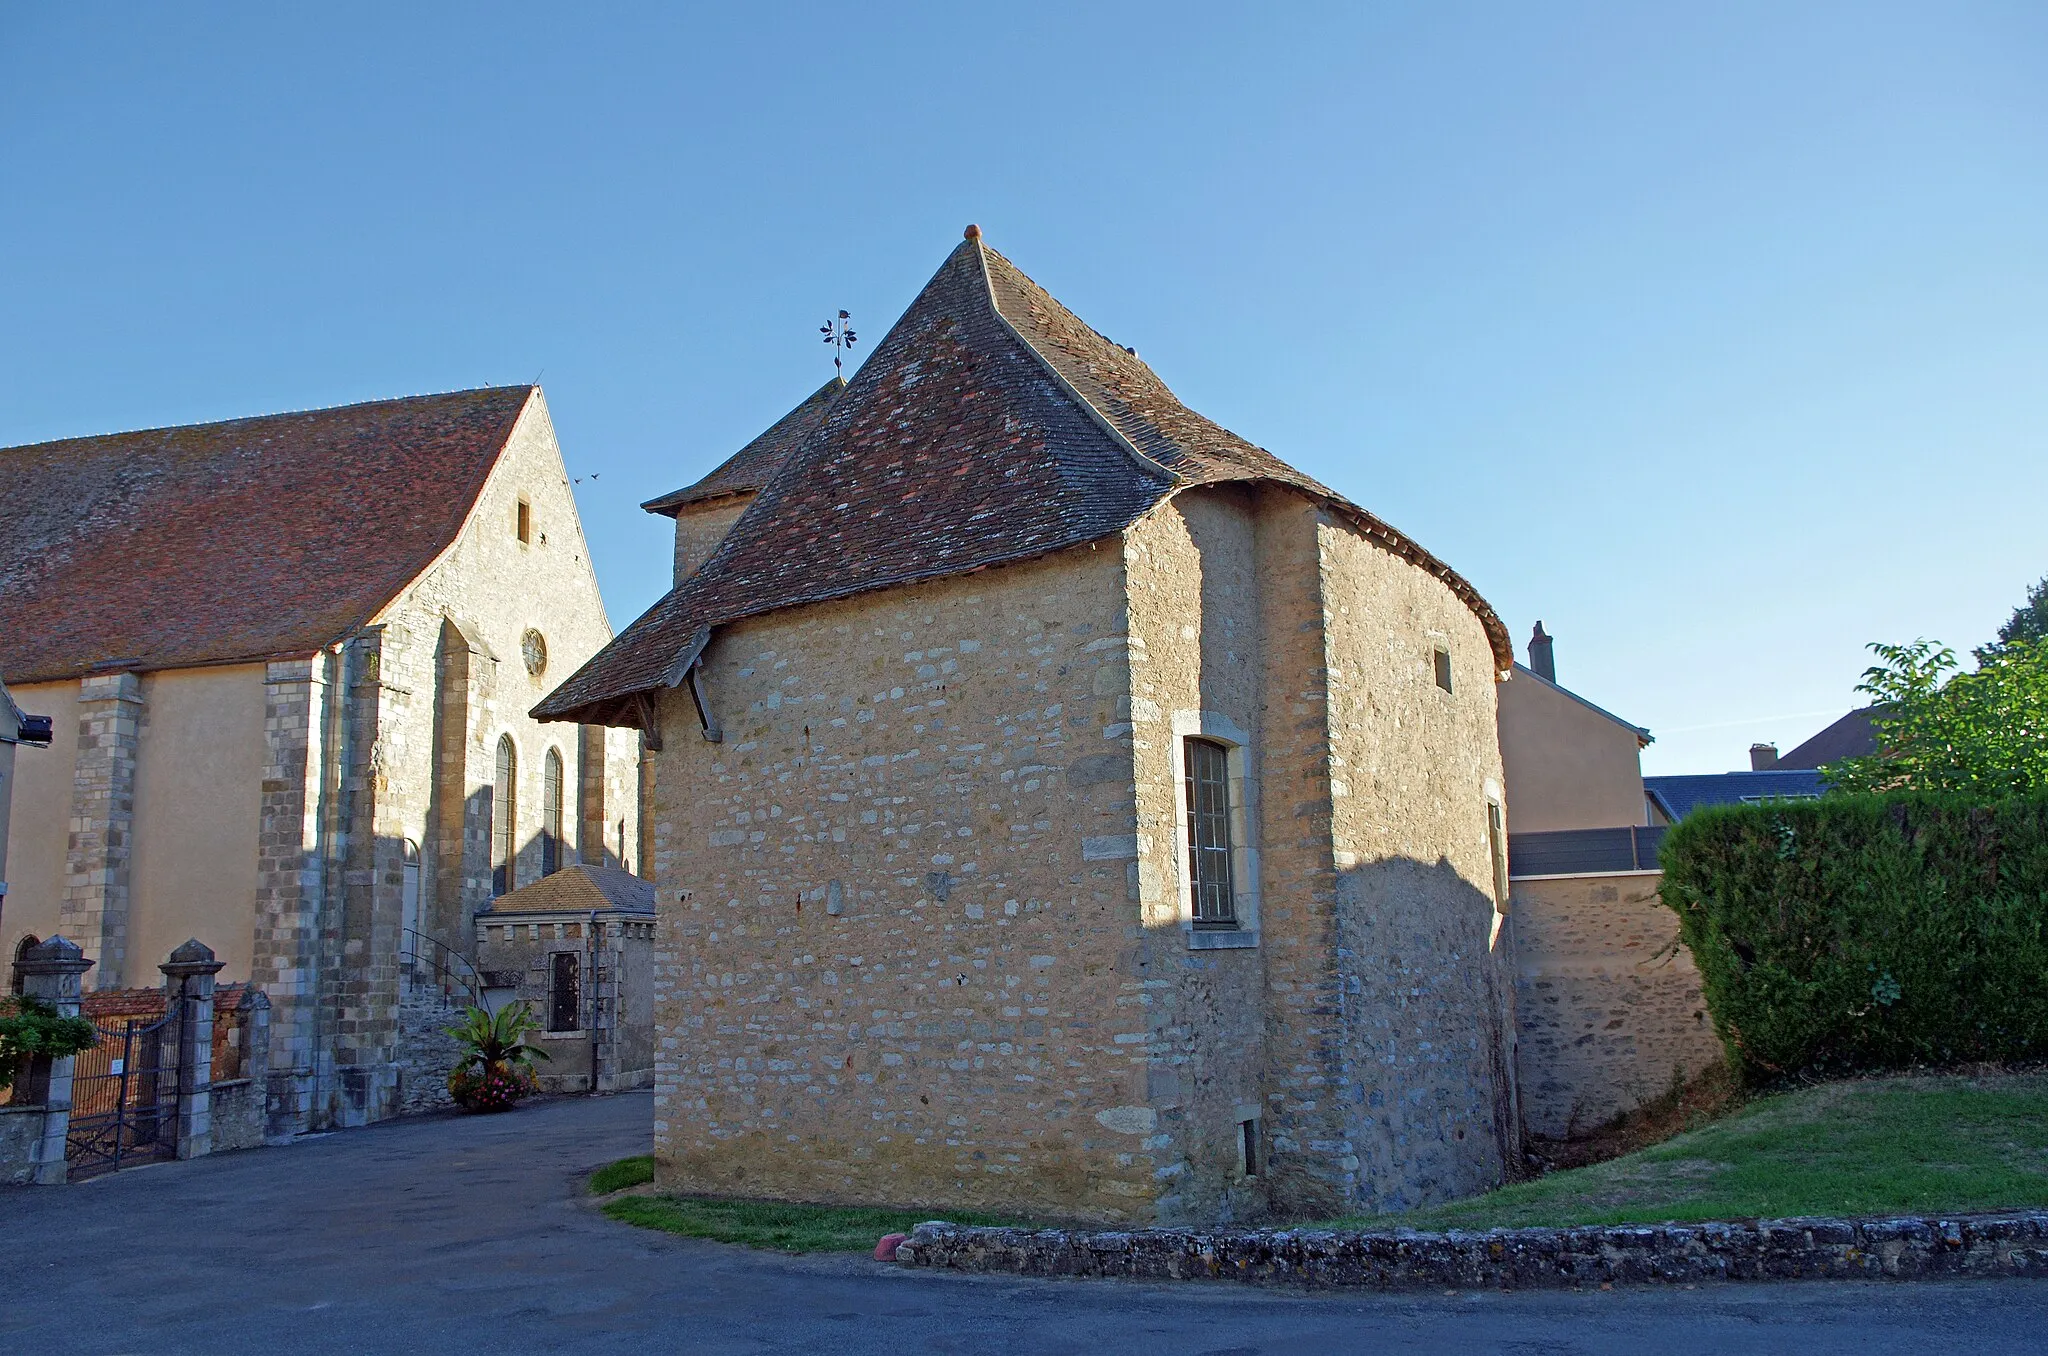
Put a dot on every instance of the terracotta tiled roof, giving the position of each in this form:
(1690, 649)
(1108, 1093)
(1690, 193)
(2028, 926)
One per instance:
(579, 889)
(246, 540)
(990, 426)
(754, 465)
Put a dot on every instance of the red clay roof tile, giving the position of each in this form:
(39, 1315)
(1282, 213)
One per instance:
(238, 541)
(990, 426)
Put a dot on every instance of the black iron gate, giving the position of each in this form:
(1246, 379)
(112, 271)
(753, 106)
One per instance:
(124, 1095)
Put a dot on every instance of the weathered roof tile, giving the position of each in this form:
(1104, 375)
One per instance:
(990, 426)
(244, 540)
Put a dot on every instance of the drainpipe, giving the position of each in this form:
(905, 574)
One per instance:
(590, 933)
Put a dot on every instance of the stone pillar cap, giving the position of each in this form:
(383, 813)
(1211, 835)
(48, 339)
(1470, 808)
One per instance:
(58, 956)
(193, 958)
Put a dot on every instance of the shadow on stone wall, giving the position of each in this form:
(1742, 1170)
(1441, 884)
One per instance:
(1428, 1003)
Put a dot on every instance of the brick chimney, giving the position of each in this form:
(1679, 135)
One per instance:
(1541, 661)
(1763, 757)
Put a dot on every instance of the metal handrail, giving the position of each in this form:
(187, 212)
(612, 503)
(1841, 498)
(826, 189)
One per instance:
(421, 949)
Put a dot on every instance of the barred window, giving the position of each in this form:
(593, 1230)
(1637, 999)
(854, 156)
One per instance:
(1208, 779)
(504, 816)
(565, 991)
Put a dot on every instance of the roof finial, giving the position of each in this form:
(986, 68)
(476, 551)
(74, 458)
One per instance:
(972, 232)
(840, 335)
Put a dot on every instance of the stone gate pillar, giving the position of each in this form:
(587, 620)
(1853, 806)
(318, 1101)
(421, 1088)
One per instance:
(53, 971)
(188, 984)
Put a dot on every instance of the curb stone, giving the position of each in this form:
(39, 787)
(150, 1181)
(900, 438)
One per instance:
(2008, 1245)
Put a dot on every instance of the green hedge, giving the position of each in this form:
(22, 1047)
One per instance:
(1867, 932)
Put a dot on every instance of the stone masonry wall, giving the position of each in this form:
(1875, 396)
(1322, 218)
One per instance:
(1608, 1000)
(102, 837)
(699, 529)
(451, 677)
(898, 970)
(1197, 666)
(1427, 1080)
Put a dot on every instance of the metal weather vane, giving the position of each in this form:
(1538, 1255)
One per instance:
(840, 335)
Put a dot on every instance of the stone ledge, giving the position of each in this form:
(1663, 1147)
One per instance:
(2014, 1244)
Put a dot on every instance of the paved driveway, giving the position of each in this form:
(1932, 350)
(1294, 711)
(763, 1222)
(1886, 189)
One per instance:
(464, 1235)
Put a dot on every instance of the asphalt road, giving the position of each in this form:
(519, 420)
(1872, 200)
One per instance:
(466, 1234)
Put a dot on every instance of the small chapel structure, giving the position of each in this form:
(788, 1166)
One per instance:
(1063, 805)
(289, 661)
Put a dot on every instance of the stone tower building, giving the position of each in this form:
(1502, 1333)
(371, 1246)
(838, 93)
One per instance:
(290, 660)
(1062, 804)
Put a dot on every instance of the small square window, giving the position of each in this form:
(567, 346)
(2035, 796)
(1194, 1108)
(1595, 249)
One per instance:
(1443, 669)
(525, 524)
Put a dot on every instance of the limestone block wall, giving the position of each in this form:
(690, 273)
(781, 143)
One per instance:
(897, 914)
(1427, 989)
(1197, 666)
(1608, 1000)
(701, 527)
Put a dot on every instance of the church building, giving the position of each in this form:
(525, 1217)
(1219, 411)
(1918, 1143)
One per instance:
(1062, 805)
(289, 661)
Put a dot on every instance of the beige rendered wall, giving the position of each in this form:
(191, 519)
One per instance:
(198, 801)
(1609, 1000)
(1568, 766)
(6, 806)
(1428, 982)
(699, 529)
(39, 827)
(903, 970)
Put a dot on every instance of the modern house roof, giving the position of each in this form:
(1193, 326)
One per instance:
(1850, 737)
(1679, 796)
(754, 465)
(239, 541)
(580, 889)
(990, 426)
(1643, 737)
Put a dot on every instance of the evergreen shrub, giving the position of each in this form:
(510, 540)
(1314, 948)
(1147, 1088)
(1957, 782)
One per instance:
(1867, 932)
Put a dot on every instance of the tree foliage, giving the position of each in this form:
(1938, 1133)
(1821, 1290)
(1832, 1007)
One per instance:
(2027, 625)
(497, 1039)
(1981, 734)
(30, 1028)
(1857, 932)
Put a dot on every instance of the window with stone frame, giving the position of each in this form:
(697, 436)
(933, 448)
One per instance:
(504, 817)
(551, 813)
(1209, 850)
(1497, 848)
(565, 991)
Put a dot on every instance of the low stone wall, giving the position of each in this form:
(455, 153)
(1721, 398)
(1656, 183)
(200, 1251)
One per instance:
(426, 1052)
(237, 1110)
(1607, 1003)
(21, 1128)
(1788, 1249)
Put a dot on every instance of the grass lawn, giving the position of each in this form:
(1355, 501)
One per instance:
(760, 1224)
(627, 1172)
(1869, 1147)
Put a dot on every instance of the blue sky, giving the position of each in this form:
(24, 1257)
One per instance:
(1715, 336)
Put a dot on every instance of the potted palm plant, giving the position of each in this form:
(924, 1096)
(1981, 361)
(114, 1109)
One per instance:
(496, 1069)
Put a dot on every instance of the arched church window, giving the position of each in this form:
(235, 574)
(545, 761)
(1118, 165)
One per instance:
(551, 813)
(20, 955)
(504, 816)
